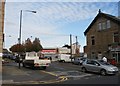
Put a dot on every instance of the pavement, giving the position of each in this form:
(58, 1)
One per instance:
(13, 75)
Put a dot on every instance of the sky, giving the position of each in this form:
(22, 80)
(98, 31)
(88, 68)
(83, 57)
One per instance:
(53, 21)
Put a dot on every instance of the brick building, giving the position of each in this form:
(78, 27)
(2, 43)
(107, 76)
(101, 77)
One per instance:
(1, 25)
(103, 37)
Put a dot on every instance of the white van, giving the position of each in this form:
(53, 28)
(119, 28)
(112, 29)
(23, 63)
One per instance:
(64, 58)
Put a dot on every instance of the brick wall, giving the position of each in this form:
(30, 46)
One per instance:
(102, 38)
(1, 25)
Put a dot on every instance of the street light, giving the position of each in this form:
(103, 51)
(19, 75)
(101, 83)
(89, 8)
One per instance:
(19, 39)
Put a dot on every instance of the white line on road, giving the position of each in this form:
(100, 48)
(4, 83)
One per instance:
(7, 81)
(80, 76)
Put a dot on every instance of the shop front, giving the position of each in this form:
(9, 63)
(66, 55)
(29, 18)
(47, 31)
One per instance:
(115, 52)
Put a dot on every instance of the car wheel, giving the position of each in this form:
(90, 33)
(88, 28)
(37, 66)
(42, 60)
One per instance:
(63, 61)
(84, 69)
(103, 72)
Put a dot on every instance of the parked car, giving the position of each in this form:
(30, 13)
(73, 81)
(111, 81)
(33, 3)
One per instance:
(79, 60)
(99, 66)
(4, 61)
(8, 55)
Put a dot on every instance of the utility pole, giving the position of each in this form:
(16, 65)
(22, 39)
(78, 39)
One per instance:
(71, 46)
(20, 34)
(19, 39)
(76, 45)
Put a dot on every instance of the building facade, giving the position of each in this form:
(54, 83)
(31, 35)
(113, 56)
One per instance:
(2, 4)
(53, 52)
(103, 37)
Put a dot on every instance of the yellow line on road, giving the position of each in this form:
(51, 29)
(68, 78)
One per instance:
(59, 79)
(50, 73)
(62, 78)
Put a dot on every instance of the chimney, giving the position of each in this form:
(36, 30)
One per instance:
(99, 10)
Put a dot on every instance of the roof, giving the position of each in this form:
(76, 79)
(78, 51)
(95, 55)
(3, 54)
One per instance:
(108, 16)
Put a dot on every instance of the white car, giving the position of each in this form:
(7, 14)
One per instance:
(79, 60)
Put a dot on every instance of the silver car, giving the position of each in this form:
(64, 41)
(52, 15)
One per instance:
(99, 66)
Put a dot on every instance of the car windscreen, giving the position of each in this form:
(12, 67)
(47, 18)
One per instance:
(103, 62)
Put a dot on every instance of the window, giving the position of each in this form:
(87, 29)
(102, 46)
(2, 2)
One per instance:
(93, 40)
(89, 62)
(93, 55)
(104, 25)
(116, 37)
(99, 26)
(108, 24)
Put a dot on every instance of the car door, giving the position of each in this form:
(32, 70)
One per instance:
(92, 66)
(89, 65)
(95, 66)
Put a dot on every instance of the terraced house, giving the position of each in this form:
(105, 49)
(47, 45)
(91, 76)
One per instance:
(103, 37)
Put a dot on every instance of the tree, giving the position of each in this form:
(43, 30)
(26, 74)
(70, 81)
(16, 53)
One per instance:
(17, 48)
(66, 45)
(28, 45)
(36, 45)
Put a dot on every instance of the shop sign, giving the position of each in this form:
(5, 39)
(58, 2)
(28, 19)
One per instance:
(48, 51)
(115, 49)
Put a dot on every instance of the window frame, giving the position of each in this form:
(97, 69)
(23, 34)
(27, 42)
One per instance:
(99, 26)
(108, 24)
(115, 34)
(92, 40)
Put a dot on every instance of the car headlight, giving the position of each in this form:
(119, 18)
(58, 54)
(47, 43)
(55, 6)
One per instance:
(111, 69)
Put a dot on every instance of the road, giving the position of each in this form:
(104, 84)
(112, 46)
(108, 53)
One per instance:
(56, 73)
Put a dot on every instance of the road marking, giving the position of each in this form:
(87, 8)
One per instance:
(50, 73)
(59, 79)
(7, 81)
(80, 76)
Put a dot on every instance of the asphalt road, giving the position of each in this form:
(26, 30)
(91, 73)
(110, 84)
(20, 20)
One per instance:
(56, 73)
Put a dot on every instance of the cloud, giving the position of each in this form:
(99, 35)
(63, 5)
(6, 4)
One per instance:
(50, 18)
(62, 12)
(63, 0)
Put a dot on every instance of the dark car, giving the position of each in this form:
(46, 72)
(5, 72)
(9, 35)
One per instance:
(4, 61)
(79, 60)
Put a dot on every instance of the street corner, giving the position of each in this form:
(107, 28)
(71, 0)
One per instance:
(33, 82)
(54, 79)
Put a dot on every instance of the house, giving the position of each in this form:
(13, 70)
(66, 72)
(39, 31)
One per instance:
(103, 37)
(2, 6)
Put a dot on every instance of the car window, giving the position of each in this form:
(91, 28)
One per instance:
(92, 62)
(104, 63)
(95, 63)
(89, 62)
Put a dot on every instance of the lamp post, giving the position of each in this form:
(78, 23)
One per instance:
(19, 39)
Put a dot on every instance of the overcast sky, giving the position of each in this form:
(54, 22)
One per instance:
(54, 21)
